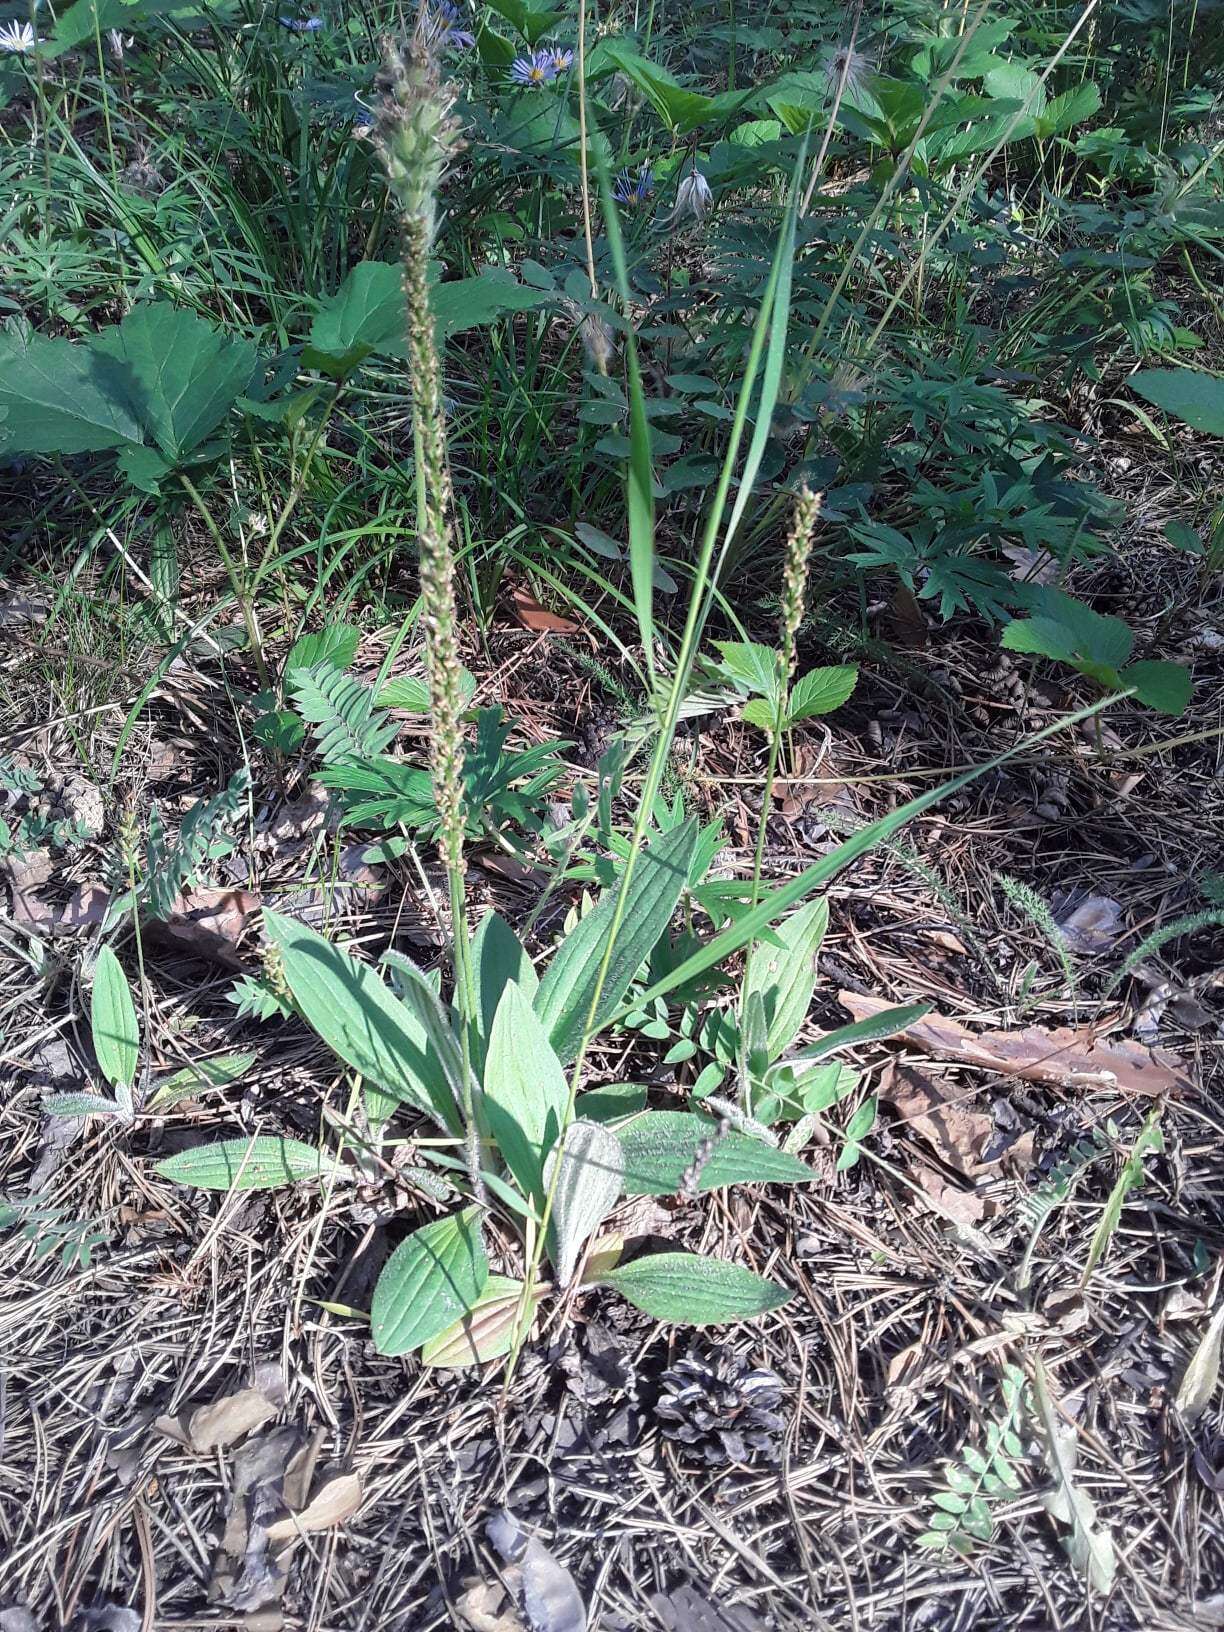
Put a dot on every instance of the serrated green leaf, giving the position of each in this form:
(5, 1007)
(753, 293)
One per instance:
(820, 691)
(525, 1092)
(684, 1290)
(567, 991)
(660, 1147)
(764, 715)
(752, 666)
(432, 1279)
(360, 1020)
(114, 1028)
(61, 397)
(259, 1163)
(182, 375)
(1162, 686)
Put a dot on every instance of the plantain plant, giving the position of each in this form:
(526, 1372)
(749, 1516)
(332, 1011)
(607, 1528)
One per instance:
(535, 1158)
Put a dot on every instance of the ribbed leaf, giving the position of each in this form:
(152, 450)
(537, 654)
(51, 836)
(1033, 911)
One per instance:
(259, 1163)
(568, 989)
(525, 1092)
(431, 1280)
(586, 1189)
(113, 1024)
(785, 974)
(684, 1290)
(497, 959)
(485, 1333)
(360, 1020)
(661, 1147)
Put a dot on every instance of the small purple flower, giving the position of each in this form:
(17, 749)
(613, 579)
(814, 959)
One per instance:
(561, 57)
(632, 191)
(301, 25)
(444, 27)
(537, 69)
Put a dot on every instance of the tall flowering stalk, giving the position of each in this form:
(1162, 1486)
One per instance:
(417, 137)
(794, 597)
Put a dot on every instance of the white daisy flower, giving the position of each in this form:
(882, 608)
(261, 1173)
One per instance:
(16, 39)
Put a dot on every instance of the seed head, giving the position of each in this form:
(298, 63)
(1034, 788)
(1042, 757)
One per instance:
(414, 131)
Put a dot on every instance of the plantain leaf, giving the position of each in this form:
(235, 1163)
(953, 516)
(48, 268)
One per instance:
(660, 1147)
(568, 990)
(588, 1167)
(360, 1020)
(497, 959)
(432, 1279)
(525, 1092)
(1202, 1375)
(885, 1024)
(685, 1290)
(784, 974)
(484, 1333)
(258, 1163)
(113, 1024)
(1089, 1545)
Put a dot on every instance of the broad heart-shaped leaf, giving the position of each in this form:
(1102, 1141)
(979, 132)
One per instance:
(820, 691)
(785, 974)
(365, 1024)
(431, 1280)
(57, 397)
(497, 959)
(525, 1092)
(366, 315)
(661, 1147)
(113, 1025)
(259, 1163)
(1162, 686)
(1198, 399)
(588, 1166)
(181, 374)
(568, 989)
(684, 1290)
(485, 1332)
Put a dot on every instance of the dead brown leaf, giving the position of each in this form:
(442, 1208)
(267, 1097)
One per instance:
(208, 923)
(337, 1499)
(1060, 1056)
(537, 618)
(213, 1427)
(954, 1130)
(86, 907)
(950, 1201)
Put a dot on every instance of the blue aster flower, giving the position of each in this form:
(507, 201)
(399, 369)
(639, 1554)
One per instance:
(444, 27)
(633, 190)
(561, 57)
(301, 25)
(537, 69)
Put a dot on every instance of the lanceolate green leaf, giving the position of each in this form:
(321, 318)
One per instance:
(785, 974)
(584, 1190)
(113, 1024)
(497, 959)
(684, 1290)
(259, 1163)
(360, 1020)
(663, 1148)
(640, 486)
(431, 1280)
(885, 1024)
(750, 925)
(525, 1092)
(567, 990)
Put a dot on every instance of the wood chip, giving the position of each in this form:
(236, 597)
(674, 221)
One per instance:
(537, 618)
